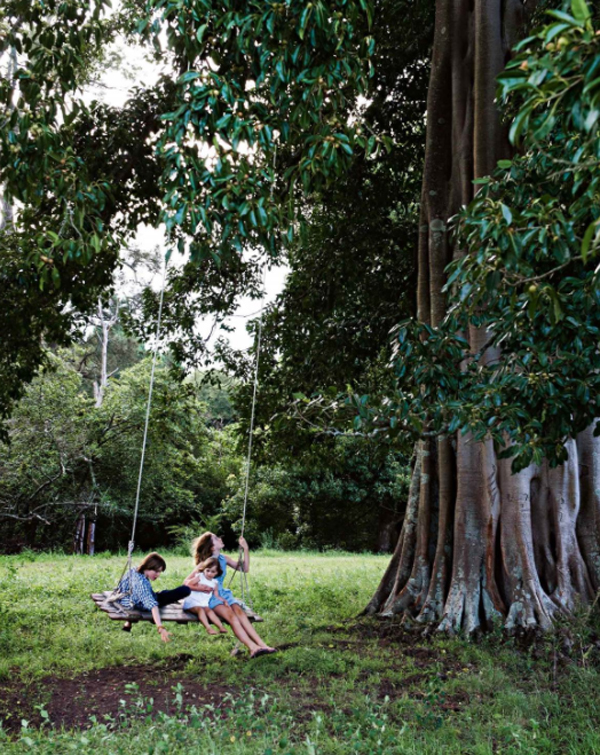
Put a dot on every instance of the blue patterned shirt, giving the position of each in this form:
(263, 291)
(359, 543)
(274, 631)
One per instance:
(139, 592)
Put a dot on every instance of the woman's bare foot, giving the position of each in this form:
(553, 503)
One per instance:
(210, 630)
(262, 651)
(222, 630)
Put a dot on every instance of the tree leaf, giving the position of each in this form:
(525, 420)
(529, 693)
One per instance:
(587, 239)
(519, 124)
(200, 32)
(580, 10)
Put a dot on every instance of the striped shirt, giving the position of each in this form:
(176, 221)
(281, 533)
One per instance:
(138, 591)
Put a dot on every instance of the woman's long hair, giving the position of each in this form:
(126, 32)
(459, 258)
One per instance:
(202, 547)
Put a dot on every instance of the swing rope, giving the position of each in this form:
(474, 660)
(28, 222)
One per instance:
(252, 415)
(129, 564)
(245, 588)
(148, 407)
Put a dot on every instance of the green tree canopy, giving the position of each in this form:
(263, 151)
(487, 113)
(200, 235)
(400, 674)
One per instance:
(197, 149)
(352, 271)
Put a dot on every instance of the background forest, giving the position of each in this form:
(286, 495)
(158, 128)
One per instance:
(70, 462)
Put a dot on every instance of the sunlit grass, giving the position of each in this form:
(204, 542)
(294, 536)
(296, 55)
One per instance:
(54, 626)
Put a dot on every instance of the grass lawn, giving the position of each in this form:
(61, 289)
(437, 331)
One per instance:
(71, 680)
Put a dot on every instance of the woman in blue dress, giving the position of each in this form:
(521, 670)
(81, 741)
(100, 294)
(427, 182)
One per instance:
(228, 609)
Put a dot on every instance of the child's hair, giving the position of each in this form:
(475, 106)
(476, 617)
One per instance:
(152, 562)
(202, 547)
(211, 562)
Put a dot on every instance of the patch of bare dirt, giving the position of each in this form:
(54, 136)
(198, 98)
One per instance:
(105, 693)
(110, 693)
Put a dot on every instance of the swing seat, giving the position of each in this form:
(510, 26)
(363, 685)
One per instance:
(116, 612)
(172, 612)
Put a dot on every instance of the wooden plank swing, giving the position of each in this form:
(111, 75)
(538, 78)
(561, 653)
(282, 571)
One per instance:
(116, 612)
(107, 601)
(173, 612)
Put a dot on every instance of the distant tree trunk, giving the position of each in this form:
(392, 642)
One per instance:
(6, 212)
(107, 319)
(32, 528)
(388, 529)
(91, 537)
(79, 537)
(479, 544)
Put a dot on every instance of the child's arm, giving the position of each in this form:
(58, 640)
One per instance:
(218, 595)
(164, 635)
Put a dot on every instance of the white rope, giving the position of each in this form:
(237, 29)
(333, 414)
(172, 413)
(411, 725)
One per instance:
(260, 324)
(245, 589)
(252, 415)
(147, 420)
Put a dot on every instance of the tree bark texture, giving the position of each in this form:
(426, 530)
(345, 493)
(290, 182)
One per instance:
(479, 544)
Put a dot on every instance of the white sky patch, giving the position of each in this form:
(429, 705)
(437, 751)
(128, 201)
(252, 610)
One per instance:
(249, 309)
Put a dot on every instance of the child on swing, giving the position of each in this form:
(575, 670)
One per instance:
(137, 593)
(204, 585)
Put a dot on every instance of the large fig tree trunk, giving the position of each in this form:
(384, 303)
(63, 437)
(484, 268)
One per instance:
(479, 544)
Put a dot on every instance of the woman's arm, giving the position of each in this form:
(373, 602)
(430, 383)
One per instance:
(194, 583)
(236, 565)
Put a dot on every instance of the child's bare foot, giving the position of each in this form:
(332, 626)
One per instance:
(210, 630)
(222, 630)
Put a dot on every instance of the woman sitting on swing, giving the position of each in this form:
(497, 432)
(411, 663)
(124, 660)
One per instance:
(228, 608)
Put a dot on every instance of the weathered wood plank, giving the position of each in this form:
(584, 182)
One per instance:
(172, 612)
